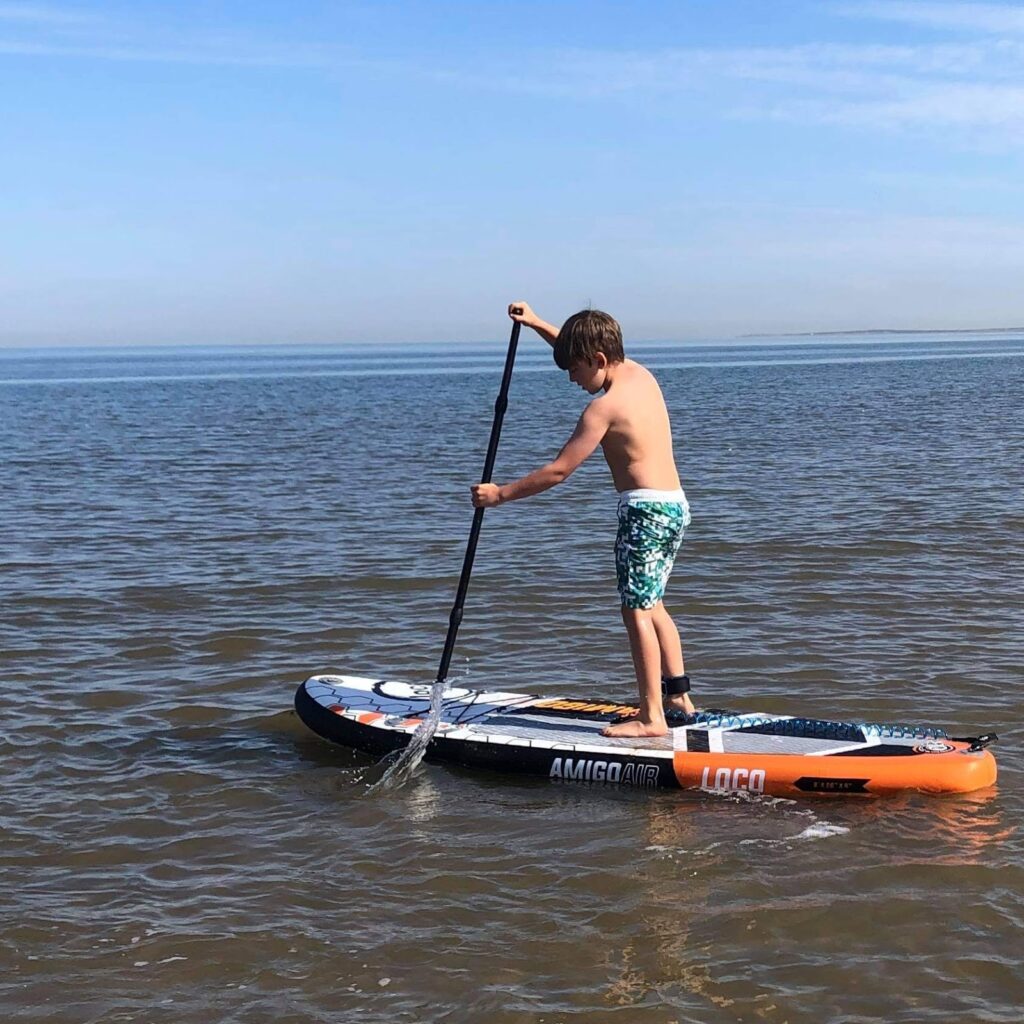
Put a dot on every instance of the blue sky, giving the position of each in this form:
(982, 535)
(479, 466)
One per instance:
(302, 172)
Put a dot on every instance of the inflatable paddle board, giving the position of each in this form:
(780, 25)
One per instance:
(718, 751)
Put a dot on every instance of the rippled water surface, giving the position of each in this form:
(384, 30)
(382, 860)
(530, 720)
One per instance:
(186, 535)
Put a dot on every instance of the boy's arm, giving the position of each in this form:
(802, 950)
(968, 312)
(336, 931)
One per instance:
(521, 313)
(589, 432)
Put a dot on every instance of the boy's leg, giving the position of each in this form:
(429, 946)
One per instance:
(669, 642)
(646, 650)
(671, 655)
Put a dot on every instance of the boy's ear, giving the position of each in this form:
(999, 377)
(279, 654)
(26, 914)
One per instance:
(600, 360)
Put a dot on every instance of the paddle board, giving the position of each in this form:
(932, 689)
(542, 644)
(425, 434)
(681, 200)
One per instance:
(717, 751)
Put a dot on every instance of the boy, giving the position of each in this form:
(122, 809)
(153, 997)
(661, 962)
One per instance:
(630, 422)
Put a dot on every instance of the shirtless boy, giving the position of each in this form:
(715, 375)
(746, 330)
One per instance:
(630, 422)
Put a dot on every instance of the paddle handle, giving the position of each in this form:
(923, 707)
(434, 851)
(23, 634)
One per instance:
(455, 619)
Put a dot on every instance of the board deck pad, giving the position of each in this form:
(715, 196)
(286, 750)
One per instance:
(714, 750)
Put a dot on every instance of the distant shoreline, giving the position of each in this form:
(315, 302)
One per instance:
(889, 330)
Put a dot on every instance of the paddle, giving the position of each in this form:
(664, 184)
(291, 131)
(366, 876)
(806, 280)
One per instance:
(417, 745)
(455, 619)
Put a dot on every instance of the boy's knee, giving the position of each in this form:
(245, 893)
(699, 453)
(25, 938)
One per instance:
(636, 616)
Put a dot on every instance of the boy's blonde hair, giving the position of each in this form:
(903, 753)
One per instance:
(585, 334)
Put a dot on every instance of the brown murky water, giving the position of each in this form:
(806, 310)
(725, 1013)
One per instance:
(186, 536)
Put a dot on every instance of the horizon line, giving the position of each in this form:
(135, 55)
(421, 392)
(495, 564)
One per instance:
(691, 341)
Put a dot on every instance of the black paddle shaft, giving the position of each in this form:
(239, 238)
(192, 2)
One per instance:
(478, 516)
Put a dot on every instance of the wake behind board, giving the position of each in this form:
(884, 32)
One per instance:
(719, 751)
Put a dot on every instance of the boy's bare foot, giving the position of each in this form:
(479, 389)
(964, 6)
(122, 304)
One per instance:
(635, 728)
(680, 702)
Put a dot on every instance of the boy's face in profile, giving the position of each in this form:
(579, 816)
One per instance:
(589, 374)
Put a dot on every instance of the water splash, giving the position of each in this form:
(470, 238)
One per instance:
(402, 764)
(405, 762)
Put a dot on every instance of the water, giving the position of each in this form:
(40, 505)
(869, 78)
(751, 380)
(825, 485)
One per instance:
(186, 535)
(402, 764)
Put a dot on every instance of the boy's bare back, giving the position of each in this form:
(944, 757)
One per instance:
(637, 442)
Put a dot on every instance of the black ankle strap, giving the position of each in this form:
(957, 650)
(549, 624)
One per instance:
(672, 685)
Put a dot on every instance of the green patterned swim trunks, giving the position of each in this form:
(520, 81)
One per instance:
(651, 528)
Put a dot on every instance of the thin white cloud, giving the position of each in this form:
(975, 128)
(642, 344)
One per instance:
(957, 16)
(196, 52)
(967, 86)
(867, 70)
(37, 30)
(953, 106)
(39, 14)
(972, 87)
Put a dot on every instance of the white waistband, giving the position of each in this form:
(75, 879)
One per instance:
(649, 494)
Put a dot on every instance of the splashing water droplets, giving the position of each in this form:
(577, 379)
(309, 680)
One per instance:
(405, 762)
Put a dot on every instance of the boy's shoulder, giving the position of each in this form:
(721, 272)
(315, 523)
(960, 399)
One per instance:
(637, 374)
(631, 388)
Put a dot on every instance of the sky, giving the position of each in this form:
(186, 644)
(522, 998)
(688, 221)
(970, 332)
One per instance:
(304, 173)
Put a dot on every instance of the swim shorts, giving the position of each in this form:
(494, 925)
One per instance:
(651, 528)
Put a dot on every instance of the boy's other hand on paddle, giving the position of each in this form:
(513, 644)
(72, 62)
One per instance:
(522, 314)
(486, 495)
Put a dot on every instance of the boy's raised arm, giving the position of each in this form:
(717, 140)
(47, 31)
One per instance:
(521, 313)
